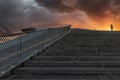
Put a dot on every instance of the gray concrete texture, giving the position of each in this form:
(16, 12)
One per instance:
(81, 55)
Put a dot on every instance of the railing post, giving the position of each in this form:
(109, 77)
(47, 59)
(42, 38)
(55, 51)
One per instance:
(20, 46)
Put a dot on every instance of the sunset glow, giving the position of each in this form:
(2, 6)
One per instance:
(85, 14)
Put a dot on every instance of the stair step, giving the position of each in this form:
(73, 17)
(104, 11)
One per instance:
(73, 63)
(76, 58)
(81, 55)
(76, 53)
(54, 79)
(58, 77)
(67, 70)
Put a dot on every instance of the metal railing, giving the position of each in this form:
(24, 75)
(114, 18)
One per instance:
(25, 46)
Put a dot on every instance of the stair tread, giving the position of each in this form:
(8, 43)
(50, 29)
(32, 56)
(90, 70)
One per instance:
(74, 62)
(67, 68)
(78, 56)
(63, 77)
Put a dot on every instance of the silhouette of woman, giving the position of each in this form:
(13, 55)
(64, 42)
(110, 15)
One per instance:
(111, 26)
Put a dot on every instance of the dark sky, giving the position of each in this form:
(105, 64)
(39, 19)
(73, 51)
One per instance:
(94, 14)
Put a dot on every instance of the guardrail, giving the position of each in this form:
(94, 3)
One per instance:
(27, 46)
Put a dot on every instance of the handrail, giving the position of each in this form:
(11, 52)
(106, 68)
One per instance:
(27, 50)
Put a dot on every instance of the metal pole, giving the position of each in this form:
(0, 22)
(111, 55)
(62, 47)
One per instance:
(0, 42)
(41, 42)
(20, 46)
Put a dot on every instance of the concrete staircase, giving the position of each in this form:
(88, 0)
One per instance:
(81, 55)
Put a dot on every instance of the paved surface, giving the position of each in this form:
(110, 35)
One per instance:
(31, 44)
(81, 55)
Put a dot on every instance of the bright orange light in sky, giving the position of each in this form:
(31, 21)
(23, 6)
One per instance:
(92, 23)
(99, 25)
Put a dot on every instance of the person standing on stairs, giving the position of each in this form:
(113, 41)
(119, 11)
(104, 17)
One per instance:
(111, 27)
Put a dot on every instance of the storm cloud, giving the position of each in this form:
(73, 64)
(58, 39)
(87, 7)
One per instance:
(96, 8)
(16, 14)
